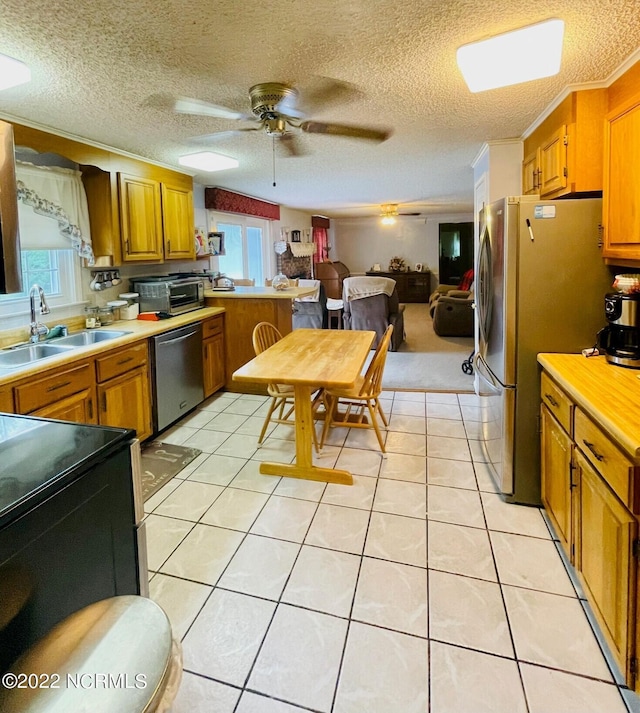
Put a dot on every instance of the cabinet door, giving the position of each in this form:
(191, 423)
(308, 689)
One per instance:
(531, 173)
(606, 531)
(6, 399)
(177, 223)
(125, 402)
(556, 472)
(621, 204)
(213, 364)
(553, 163)
(78, 408)
(140, 218)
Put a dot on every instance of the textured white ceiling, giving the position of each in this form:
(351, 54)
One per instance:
(109, 71)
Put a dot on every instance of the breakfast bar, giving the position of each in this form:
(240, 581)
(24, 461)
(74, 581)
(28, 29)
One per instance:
(245, 307)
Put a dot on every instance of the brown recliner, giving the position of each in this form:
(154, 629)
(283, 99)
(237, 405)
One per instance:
(375, 313)
(453, 314)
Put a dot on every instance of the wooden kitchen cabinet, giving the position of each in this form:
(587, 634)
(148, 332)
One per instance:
(621, 196)
(124, 393)
(140, 218)
(589, 493)
(67, 394)
(556, 478)
(562, 155)
(213, 354)
(6, 399)
(177, 222)
(605, 537)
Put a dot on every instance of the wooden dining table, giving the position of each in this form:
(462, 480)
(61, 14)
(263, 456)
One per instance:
(308, 360)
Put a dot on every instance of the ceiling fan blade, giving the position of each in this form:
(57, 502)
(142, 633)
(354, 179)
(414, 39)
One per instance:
(220, 135)
(324, 92)
(355, 132)
(291, 145)
(184, 105)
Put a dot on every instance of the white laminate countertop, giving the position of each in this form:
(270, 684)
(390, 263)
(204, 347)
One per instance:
(261, 293)
(608, 393)
(137, 329)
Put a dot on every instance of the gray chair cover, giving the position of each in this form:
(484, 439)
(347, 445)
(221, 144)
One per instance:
(376, 313)
(311, 315)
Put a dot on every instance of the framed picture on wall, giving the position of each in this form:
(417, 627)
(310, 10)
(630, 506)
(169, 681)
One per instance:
(216, 243)
(418, 267)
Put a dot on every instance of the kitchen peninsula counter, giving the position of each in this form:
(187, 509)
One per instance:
(245, 307)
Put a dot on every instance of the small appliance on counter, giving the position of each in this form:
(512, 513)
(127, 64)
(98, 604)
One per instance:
(170, 294)
(620, 339)
(222, 282)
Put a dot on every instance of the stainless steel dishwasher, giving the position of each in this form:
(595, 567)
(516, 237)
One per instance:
(177, 374)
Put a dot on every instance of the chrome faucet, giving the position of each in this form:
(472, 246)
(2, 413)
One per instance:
(36, 329)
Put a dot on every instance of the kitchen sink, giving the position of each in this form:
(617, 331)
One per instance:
(13, 358)
(91, 336)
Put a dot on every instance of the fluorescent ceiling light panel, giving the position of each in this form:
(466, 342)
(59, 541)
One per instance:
(522, 55)
(13, 72)
(208, 161)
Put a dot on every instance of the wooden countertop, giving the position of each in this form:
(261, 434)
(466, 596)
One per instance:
(608, 393)
(261, 293)
(138, 329)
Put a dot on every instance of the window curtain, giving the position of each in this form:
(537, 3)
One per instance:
(58, 194)
(321, 239)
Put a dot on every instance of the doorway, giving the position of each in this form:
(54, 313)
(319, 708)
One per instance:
(455, 251)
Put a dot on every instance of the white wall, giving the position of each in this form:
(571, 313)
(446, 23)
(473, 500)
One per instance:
(361, 242)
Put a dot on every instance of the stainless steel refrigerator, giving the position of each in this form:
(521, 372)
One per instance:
(540, 287)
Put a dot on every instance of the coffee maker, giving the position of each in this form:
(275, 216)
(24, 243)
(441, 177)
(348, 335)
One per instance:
(620, 340)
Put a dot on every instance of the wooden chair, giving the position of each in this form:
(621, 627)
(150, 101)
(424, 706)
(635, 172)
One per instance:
(265, 335)
(292, 282)
(362, 400)
(245, 283)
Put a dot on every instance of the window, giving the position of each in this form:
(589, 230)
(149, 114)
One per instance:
(246, 240)
(56, 271)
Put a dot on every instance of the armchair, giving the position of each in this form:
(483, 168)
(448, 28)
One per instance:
(453, 314)
(311, 312)
(371, 303)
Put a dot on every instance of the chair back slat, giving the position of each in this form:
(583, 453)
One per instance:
(372, 382)
(264, 335)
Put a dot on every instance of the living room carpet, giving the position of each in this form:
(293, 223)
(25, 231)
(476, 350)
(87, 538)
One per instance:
(161, 462)
(425, 361)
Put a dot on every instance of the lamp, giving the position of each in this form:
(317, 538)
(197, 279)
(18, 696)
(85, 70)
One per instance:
(388, 213)
(528, 53)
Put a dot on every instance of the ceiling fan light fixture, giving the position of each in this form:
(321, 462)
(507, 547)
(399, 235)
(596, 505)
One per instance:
(13, 72)
(388, 213)
(208, 161)
(531, 52)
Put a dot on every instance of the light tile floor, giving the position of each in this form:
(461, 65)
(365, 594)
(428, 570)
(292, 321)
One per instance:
(416, 590)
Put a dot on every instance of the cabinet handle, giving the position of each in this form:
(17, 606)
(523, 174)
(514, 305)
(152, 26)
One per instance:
(551, 400)
(59, 386)
(90, 405)
(169, 247)
(126, 246)
(104, 400)
(125, 360)
(591, 447)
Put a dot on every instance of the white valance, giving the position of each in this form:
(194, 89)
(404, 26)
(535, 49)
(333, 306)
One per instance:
(48, 193)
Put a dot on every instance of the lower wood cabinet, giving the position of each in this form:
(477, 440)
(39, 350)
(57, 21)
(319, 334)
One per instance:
(213, 354)
(588, 493)
(6, 399)
(78, 407)
(605, 535)
(124, 393)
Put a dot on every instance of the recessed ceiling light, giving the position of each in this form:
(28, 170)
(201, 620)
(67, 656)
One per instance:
(529, 53)
(208, 161)
(13, 72)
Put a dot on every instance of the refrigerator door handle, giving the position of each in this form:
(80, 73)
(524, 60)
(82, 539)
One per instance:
(483, 370)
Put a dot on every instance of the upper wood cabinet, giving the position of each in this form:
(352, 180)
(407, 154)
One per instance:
(621, 204)
(562, 155)
(177, 222)
(140, 219)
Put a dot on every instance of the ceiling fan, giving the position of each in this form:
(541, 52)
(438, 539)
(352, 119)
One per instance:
(274, 111)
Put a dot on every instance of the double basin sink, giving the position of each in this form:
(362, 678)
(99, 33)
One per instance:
(15, 357)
